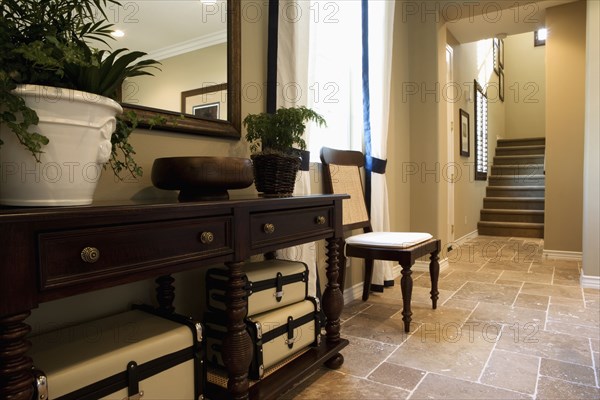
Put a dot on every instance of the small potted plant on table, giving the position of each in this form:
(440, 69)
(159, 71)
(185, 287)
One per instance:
(272, 137)
(52, 77)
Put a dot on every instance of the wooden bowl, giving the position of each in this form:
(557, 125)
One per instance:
(202, 178)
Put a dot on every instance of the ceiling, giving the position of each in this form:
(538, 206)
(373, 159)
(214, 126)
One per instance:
(165, 28)
(470, 21)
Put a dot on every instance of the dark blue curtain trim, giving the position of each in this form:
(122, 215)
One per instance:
(377, 164)
(366, 102)
(273, 41)
(377, 288)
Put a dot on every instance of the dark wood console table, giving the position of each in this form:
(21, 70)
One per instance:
(52, 253)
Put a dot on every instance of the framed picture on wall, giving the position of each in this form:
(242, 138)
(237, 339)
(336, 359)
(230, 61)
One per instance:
(501, 53)
(497, 56)
(465, 137)
(501, 85)
(207, 111)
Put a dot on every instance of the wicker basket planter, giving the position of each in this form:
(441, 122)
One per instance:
(275, 174)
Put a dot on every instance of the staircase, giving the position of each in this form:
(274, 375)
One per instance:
(514, 202)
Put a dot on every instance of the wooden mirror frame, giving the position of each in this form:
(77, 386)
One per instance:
(231, 128)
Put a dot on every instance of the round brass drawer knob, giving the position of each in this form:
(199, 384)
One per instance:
(90, 255)
(269, 228)
(320, 220)
(207, 237)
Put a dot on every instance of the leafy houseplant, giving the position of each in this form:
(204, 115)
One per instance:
(50, 43)
(272, 137)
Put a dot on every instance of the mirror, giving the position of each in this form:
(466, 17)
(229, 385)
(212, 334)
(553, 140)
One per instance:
(197, 90)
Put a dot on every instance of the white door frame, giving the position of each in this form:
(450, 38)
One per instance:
(450, 122)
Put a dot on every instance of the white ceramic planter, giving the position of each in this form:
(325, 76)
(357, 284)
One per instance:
(79, 126)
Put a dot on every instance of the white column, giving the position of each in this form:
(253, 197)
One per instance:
(591, 165)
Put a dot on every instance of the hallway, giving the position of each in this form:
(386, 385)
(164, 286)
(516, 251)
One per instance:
(509, 325)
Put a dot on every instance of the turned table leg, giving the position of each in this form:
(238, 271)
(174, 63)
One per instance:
(406, 285)
(237, 345)
(333, 301)
(16, 377)
(165, 293)
(434, 273)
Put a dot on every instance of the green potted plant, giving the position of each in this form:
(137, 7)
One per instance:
(52, 73)
(272, 137)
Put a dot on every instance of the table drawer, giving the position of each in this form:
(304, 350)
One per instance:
(277, 227)
(82, 255)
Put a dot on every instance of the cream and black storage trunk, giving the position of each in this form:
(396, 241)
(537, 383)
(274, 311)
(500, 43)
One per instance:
(132, 355)
(276, 335)
(270, 284)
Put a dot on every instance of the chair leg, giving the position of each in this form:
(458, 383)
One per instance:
(342, 271)
(368, 279)
(406, 285)
(434, 273)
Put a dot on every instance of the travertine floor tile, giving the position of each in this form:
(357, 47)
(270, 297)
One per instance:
(592, 298)
(326, 384)
(353, 308)
(552, 290)
(550, 388)
(446, 284)
(397, 375)
(460, 303)
(382, 311)
(512, 371)
(390, 331)
(436, 386)
(489, 276)
(424, 313)
(575, 330)
(527, 339)
(595, 342)
(487, 312)
(446, 350)
(526, 277)
(532, 301)
(573, 315)
(569, 372)
(487, 292)
(362, 356)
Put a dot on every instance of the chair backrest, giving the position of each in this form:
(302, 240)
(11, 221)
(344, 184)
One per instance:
(341, 173)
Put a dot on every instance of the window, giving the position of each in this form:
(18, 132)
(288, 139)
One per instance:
(481, 133)
(335, 76)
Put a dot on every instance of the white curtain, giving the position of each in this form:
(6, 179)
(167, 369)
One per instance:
(381, 32)
(292, 90)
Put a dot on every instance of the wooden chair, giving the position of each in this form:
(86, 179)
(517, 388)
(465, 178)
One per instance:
(341, 171)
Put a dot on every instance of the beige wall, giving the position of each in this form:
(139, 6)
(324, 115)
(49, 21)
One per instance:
(565, 105)
(424, 141)
(473, 61)
(525, 87)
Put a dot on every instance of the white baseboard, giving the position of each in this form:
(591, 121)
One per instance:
(563, 255)
(462, 240)
(353, 293)
(590, 282)
(423, 266)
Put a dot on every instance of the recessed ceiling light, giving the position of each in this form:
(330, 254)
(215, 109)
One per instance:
(118, 33)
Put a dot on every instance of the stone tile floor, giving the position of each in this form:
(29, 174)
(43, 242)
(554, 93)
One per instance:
(510, 324)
